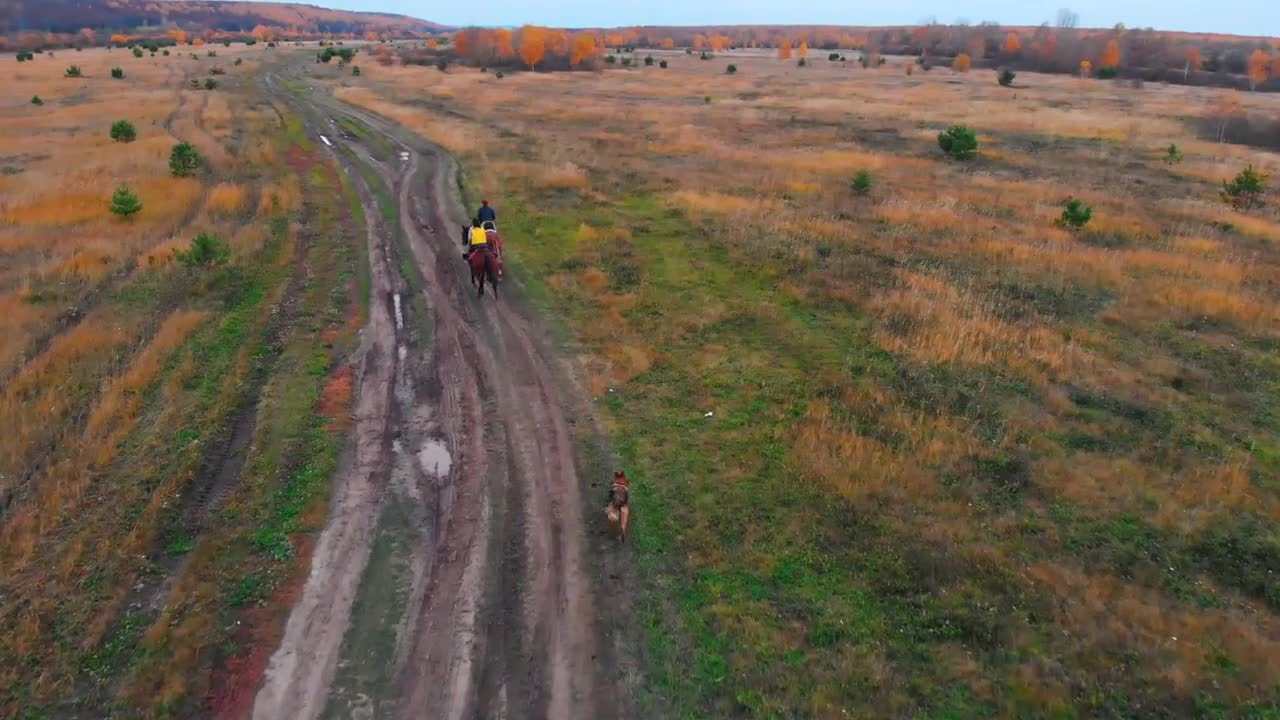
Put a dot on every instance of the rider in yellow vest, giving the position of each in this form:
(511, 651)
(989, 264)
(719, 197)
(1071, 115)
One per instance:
(476, 238)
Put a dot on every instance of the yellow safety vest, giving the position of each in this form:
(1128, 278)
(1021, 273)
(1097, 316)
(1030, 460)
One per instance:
(479, 237)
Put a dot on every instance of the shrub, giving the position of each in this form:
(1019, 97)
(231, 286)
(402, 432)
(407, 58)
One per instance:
(663, 64)
(706, 100)
(227, 43)
(704, 56)
(124, 202)
(123, 131)
(1108, 73)
(238, 61)
(610, 59)
(205, 252)
(862, 183)
(117, 73)
(74, 72)
(35, 100)
(442, 65)
(210, 84)
(959, 142)
(802, 62)
(1006, 77)
(355, 70)
(195, 84)
(137, 52)
(184, 160)
(732, 69)
(1246, 191)
(212, 53)
(24, 56)
(165, 53)
(215, 70)
(834, 57)
(1075, 215)
(1173, 155)
(626, 62)
(648, 61)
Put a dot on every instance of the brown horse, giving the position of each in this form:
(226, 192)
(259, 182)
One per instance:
(618, 509)
(483, 264)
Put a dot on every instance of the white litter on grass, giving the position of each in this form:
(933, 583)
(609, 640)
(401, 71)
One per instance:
(326, 141)
(399, 318)
(434, 459)
(404, 156)
(709, 414)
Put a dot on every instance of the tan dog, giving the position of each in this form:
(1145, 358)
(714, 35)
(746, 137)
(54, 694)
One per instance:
(618, 510)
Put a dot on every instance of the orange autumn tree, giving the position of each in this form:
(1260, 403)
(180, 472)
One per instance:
(1257, 68)
(198, 42)
(962, 63)
(802, 50)
(1111, 55)
(179, 37)
(1085, 68)
(87, 35)
(784, 49)
(533, 45)
(119, 40)
(719, 43)
(667, 44)
(1275, 67)
(584, 49)
(1012, 43)
(502, 44)
(699, 42)
(262, 33)
(1193, 63)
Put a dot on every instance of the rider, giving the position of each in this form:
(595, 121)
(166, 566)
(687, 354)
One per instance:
(486, 213)
(477, 238)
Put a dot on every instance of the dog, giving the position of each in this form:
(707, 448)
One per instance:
(618, 509)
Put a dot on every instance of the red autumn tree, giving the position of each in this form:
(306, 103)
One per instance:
(1193, 63)
(1257, 68)
(1012, 43)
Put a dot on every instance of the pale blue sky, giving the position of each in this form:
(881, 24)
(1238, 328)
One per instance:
(1246, 17)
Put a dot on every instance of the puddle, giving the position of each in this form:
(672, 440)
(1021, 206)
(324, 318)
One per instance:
(434, 457)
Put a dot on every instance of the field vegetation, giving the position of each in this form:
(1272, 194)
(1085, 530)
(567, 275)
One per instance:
(171, 313)
(909, 435)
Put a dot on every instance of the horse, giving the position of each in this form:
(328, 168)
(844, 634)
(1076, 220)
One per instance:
(483, 263)
(618, 509)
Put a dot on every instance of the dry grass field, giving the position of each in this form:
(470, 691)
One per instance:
(918, 453)
(126, 564)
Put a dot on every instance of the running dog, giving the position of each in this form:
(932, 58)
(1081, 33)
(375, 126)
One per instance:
(618, 510)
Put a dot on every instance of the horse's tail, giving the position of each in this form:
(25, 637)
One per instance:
(490, 265)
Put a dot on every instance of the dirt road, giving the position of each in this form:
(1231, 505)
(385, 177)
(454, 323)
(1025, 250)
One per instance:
(452, 579)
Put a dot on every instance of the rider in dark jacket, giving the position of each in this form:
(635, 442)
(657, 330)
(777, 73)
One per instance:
(486, 213)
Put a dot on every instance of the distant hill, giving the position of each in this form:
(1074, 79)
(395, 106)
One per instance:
(69, 16)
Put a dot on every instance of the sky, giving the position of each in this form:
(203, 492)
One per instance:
(1244, 17)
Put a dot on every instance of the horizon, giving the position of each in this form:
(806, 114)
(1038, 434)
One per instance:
(1238, 19)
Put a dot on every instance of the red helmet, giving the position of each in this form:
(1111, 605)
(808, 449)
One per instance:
(484, 202)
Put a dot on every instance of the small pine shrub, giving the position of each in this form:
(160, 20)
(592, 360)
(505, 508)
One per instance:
(704, 56)
(648, 61)
(732, 69)
(610, 59)
(1006, 77)
(959, 142)
(184, 160)
(35, 100)
(195, 84)
(74, 72)
(212, 53)
(626, 62)
(500, 75)
(117, 73)
(706, 100)
(862, 183)
(210, 84)
(355, 70)
(227, 43)
(123, 131)
(442, 65)
(137, 52)
(205, 252)
(125, 203)
(834, 57)
(1173, 155)
(215, 70)
(802, 63)
(1075, 215)
(239, 61)
(165, 53)
(662, 64)
(1246, 190)
(1108, 73)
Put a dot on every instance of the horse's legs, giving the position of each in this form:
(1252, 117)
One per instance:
(625, 518)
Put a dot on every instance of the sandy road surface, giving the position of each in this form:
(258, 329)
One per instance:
(461, 419)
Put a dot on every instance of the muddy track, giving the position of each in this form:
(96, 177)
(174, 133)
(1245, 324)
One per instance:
(498, 617)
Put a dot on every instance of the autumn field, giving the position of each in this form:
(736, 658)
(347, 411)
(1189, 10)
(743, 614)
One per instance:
(911, 446)
(161, 457)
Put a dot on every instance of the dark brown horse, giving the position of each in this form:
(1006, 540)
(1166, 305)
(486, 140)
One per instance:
(484, 265)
